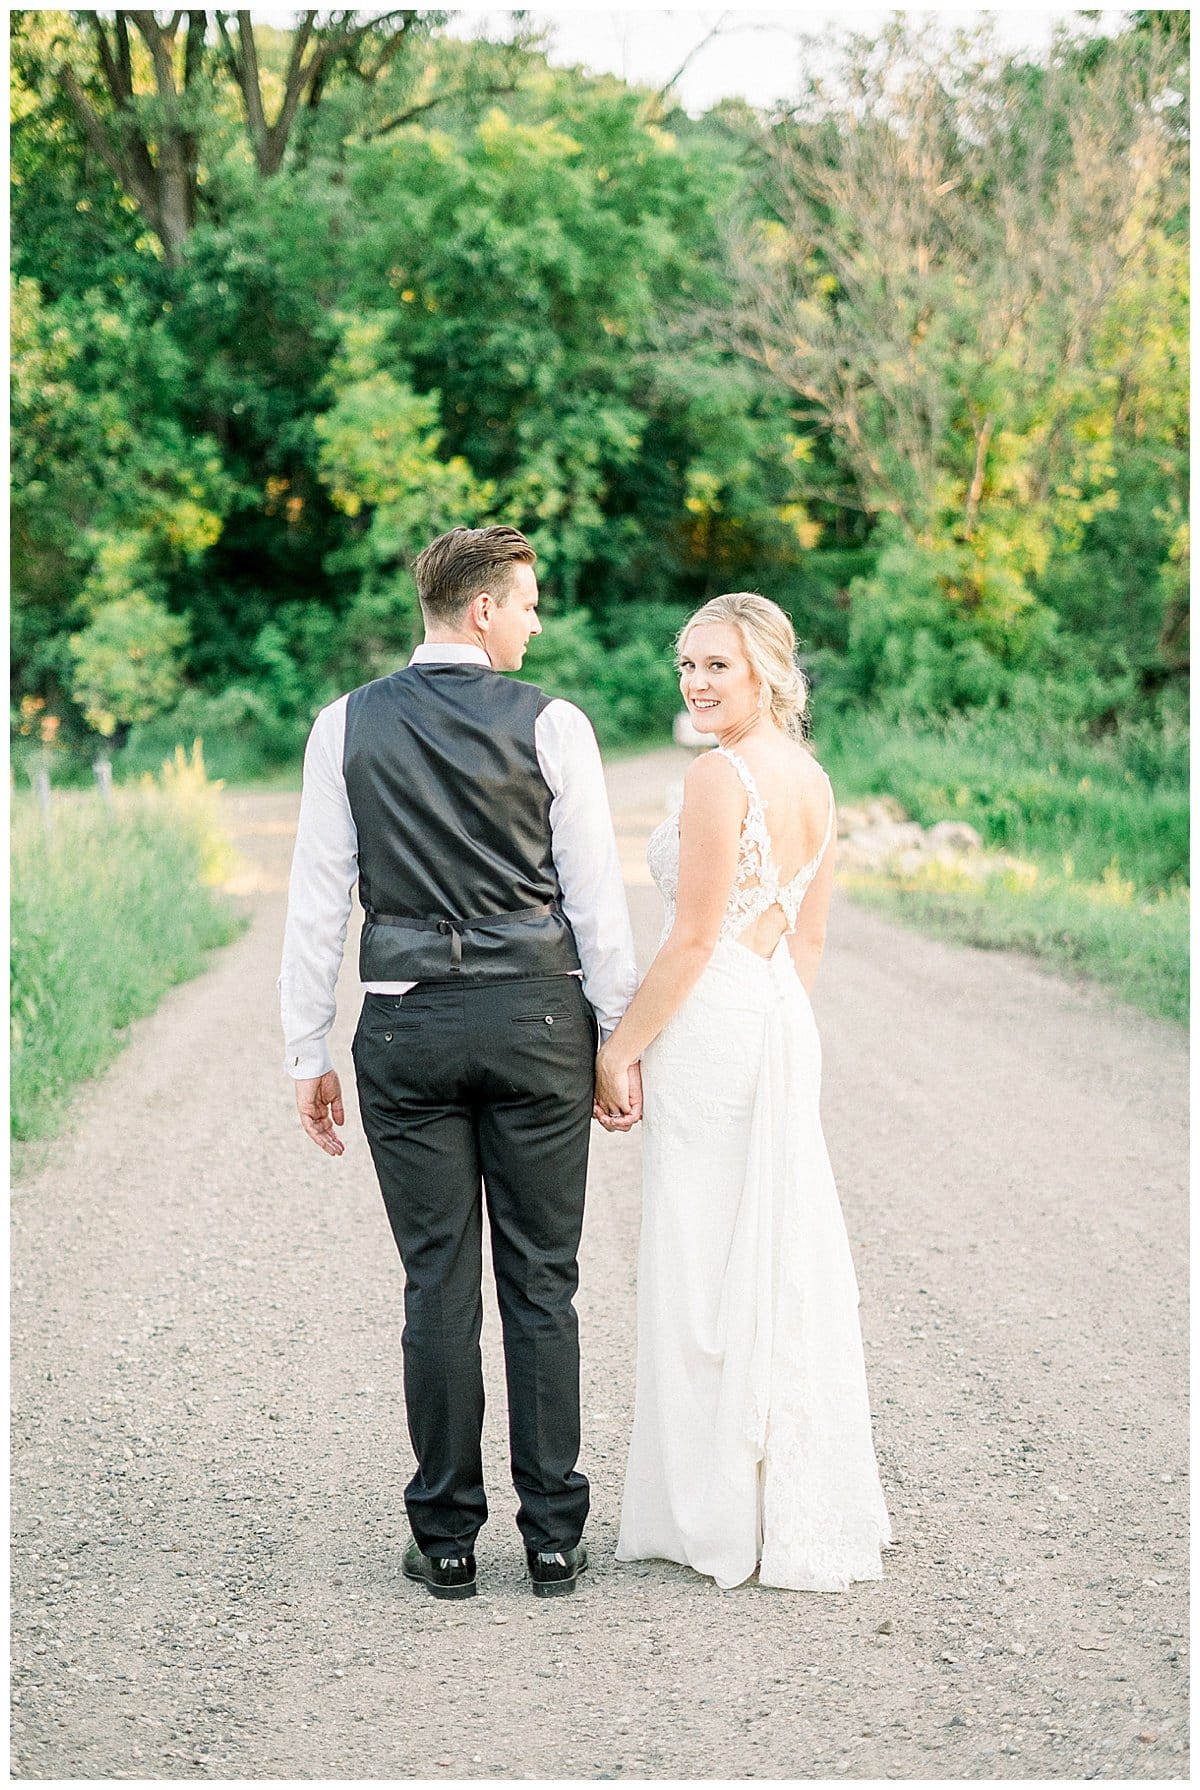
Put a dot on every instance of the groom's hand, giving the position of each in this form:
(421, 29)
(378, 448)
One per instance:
(613, 1120)
(319, 1103)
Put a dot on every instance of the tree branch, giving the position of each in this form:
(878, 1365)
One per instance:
(716, 31)
(390, 48)
(126, 54)
(114, 73)
(496, 90)
(160, 44)
(251, 86)
(121, 168)
(294, 84)
(983, 437)
(193, 54)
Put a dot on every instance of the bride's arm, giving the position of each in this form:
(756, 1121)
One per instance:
(714, 805)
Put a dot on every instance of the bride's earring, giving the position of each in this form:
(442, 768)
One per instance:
(762, 699)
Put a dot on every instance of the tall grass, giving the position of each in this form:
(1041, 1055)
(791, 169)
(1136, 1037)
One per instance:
(1102, 827)
(108, 912)
(1086, 806)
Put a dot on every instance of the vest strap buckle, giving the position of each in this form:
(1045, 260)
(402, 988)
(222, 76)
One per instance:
(448, 927)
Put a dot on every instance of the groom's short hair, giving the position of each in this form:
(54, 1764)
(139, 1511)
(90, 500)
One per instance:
(458, 565)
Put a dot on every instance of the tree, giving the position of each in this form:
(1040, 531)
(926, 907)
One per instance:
(945, 238)
(143, 90)
(127, 664)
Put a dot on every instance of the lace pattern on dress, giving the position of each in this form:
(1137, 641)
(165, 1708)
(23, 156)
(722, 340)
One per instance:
(756, 884)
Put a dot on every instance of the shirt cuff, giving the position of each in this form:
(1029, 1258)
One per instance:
(308, 1063)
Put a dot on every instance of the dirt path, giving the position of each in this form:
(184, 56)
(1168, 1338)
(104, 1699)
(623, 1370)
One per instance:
(209, 1444)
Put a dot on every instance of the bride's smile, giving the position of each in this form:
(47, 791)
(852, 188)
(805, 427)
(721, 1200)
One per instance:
(718, 684)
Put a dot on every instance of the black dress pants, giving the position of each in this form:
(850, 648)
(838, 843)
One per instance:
(463, 1084)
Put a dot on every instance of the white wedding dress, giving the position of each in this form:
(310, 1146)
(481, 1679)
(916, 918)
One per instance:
(751, 1442)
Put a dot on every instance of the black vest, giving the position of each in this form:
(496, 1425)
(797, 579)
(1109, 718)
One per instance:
(456, 874)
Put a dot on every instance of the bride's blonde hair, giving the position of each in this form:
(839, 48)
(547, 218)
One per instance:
(770, 643)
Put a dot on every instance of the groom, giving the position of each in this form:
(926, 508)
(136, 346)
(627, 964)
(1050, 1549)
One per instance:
(471, 809)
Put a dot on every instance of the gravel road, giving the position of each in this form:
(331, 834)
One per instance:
(209, 1444)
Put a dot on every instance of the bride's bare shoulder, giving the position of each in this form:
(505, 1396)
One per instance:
(711, 771)
(713, 788)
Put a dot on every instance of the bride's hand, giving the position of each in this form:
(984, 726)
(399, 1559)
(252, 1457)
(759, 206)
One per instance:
(617, 1106)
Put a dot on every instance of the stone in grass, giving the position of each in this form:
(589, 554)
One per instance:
(873, 847)
(954, 836)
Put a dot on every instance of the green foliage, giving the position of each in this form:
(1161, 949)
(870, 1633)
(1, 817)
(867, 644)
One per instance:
(107, 914)
(935, 404)
(629, 690)
(126, 662)
(244, 736)
(969, 271)
(380, 452)
(1102, 826)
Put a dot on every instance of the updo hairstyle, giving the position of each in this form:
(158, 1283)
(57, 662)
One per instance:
(770, 645)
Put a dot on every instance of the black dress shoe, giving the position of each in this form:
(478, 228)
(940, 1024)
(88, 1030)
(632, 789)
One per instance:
(451, 1577)
(555, 1573)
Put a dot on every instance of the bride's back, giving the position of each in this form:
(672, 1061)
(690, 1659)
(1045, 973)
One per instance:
(796, 801)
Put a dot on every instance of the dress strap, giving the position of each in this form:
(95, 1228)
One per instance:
(829, 822)
(743, 771)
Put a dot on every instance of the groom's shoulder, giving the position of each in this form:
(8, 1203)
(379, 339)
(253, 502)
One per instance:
(374, 686)
(556, 710)
(565, 717)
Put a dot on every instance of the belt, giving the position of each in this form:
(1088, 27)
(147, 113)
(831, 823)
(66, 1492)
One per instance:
(454, 929)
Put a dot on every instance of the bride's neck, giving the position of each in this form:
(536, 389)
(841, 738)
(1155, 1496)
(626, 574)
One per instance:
(754, 725)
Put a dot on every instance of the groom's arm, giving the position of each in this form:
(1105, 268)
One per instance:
(585, 857)
(324, 869)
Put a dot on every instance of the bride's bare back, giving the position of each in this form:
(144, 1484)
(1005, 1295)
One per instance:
(785, 844)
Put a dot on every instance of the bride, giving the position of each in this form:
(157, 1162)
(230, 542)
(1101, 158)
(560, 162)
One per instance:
(751, 1445)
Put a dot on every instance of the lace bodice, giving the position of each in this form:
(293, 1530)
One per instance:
(756, 885)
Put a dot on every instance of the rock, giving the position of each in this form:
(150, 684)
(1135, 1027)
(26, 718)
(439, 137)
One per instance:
(897, 835)
(954, 836)
(909, 862)
(882, 809)
(871, 848)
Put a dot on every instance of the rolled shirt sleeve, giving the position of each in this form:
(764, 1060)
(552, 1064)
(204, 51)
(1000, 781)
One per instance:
(584, 847)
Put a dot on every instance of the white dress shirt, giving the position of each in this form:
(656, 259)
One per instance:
(325, 871)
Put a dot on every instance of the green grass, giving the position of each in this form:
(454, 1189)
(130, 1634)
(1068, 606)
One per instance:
(1102, 827)
(1138, 949)
(1083, 806)
(107, 914)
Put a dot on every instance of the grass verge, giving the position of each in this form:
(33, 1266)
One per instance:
(1136, 947)
(109, 910)
(1082, 807)
(1102, 828)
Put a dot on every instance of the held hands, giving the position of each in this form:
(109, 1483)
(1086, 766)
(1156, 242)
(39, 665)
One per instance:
(618, 1103)
(319, 1103)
